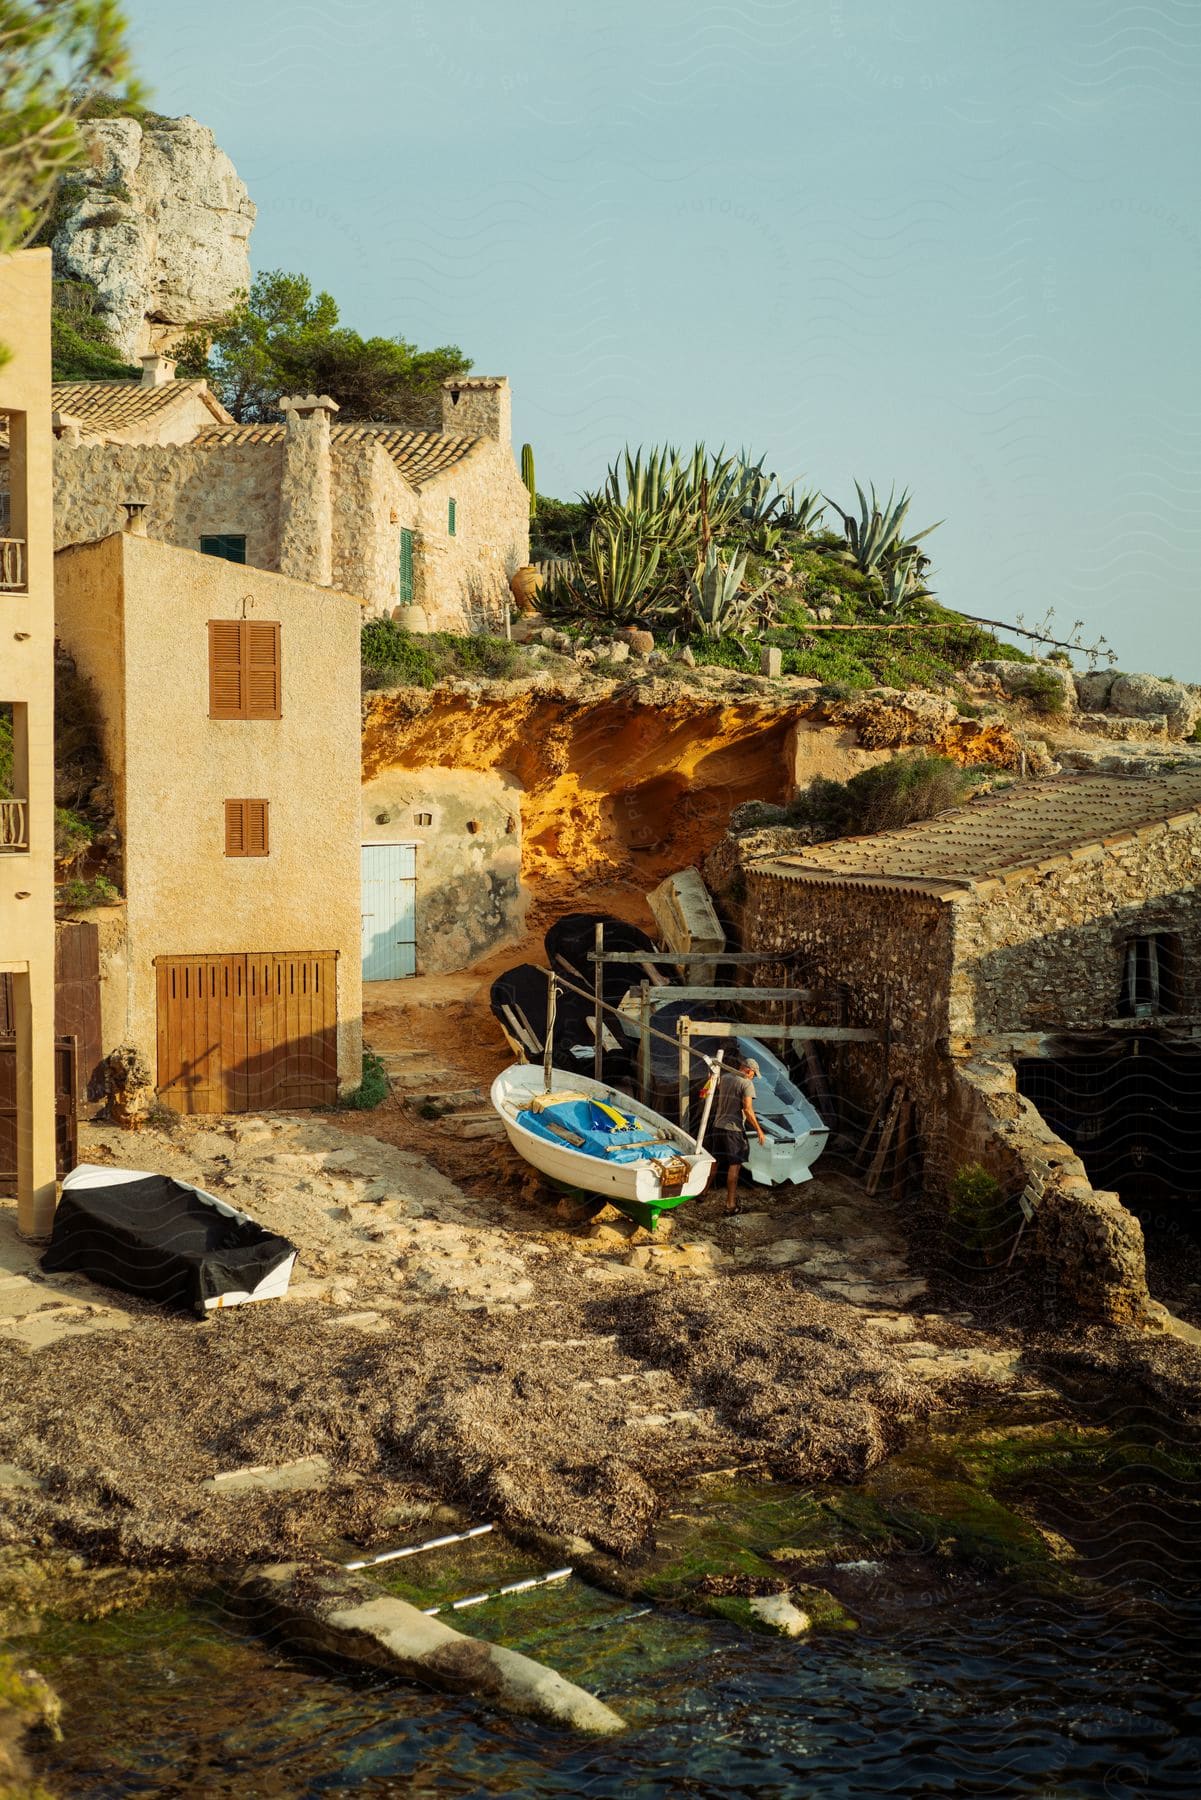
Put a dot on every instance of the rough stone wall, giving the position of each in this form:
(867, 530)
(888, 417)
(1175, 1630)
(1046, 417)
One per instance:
(161, 227)
(1045, 951)
(463, 581)
(190, 492)
(469, 894)
(892, 948)
(909, 958)
(372, 504)
(306, 520)
(1083, 1251)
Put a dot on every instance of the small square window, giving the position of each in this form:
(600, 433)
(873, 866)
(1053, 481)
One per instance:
(224, 544)
(423, 818)
(451, 511)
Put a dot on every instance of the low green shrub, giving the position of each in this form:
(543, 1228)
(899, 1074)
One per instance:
(1042, 692)
(372, 1090)
(99, 891)
(72, 834)
(900, 792)
(978, 1214)
(393, 657)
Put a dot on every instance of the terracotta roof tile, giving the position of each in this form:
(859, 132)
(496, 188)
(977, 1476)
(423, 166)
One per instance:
(1033, 825)
(419, 455)
(102, 406)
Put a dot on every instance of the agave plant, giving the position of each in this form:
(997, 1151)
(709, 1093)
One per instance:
(875, 535)
(800, 513)
(615, 579)
(900, 582)
(715, 605)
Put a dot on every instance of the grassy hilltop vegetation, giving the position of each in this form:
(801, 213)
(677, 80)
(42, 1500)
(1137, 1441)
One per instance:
(710, 551)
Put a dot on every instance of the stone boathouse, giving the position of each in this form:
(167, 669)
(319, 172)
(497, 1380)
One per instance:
(1031, 955)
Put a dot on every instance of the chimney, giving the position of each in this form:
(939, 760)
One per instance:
(135, 518)
(306, 509)
(156, 370)
(478, 406)
(66, 428)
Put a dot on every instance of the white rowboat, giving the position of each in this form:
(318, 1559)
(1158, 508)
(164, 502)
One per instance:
(570, 1135)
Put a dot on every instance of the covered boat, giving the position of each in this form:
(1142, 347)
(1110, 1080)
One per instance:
(165, 1241)
(572, 939)
(796, 1134)
(585, 1136)
(519, 1005)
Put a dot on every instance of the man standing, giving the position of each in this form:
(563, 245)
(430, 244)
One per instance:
(733, 1111)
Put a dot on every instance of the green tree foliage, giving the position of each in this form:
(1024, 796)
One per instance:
(53, 55)
(81, 348)
(286, 339)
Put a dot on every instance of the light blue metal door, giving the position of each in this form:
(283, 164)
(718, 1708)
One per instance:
(389, 911)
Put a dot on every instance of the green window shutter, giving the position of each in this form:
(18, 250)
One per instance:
(450, 517)
(225, 544)
(405, 585)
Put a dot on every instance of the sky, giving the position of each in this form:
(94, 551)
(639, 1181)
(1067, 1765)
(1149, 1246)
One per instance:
(951, 244)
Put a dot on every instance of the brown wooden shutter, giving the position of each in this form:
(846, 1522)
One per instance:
(227, 695)
(235, 828)
(246, 828)
(256, 827)
(244, 669)
(260, 661)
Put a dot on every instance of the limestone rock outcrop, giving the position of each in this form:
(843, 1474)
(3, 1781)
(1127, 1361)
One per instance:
(1016, 679)
(160, 226)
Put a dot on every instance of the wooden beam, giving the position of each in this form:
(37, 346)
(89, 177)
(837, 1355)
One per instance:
(664, 995)
(819, 1034)
(739, 957)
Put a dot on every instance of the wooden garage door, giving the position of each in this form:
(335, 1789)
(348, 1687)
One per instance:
(239, 1033)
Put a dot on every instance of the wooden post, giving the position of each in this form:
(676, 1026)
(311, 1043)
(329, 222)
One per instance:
(683, 1034)
(711, 1096)
(598, 999)
(644, 1043)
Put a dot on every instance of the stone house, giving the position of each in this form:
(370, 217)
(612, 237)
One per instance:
(428, 525)
(1001, 943)
(27, 1057)
(229, 706)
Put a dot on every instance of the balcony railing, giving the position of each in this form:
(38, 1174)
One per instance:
(14, 826)
(12, 564)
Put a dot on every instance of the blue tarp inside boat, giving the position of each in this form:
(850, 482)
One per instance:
(600, 1134)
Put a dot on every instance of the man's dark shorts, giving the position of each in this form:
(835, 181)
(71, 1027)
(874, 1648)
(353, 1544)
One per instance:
(729, 1146)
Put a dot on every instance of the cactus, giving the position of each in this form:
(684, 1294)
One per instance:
(527, 475)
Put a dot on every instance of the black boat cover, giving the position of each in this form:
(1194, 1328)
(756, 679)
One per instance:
(524, 991)
(161, 1239)
(570, 941)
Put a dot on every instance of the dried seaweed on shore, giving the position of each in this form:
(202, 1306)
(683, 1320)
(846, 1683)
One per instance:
(580, 1434)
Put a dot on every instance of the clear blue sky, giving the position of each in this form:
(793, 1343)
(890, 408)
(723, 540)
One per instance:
(950, 243)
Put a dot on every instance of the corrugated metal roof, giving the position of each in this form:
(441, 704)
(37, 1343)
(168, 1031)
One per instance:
(102, 406)
(419, 455)
(1029, 825)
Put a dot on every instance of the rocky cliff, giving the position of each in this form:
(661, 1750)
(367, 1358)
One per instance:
(159, 224)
